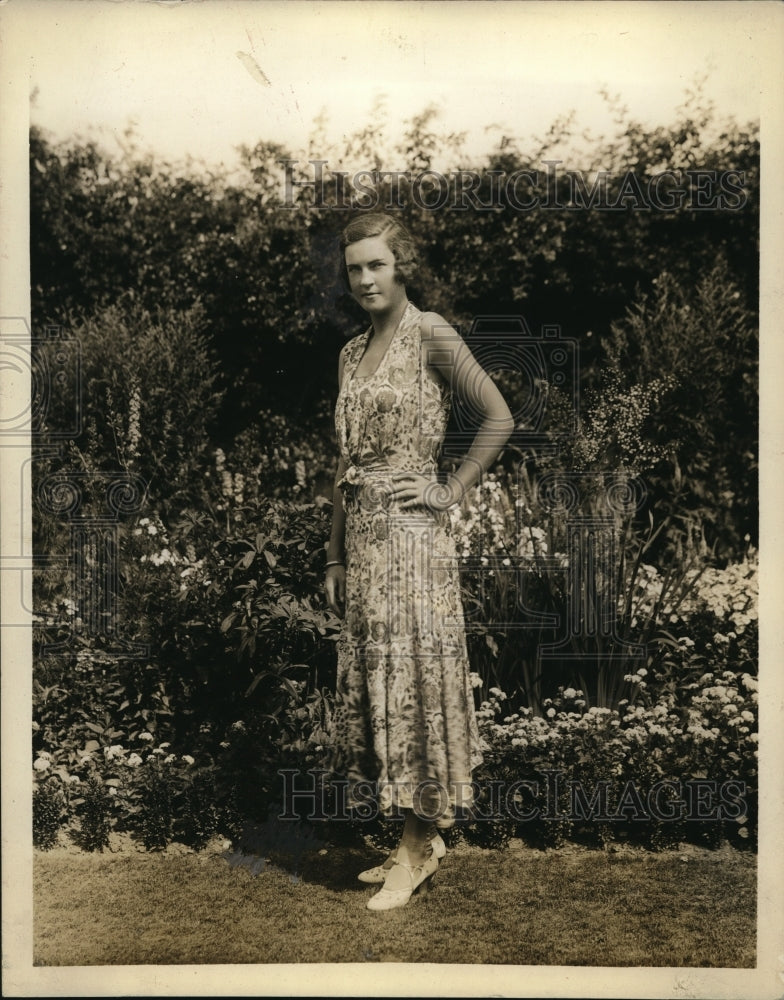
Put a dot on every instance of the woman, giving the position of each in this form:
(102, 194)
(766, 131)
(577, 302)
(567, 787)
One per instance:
(404, 721)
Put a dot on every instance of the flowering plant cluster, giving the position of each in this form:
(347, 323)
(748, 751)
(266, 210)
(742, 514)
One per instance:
(616, 429)
(480, 523)
(143, 789)
(652, 746)
(277, 459)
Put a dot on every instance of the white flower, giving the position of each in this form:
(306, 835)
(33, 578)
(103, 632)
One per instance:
(41, 764)
(169, 759)
(550, 713)
(570, 693)
(134, 760)
(188, 759)
(145, 736)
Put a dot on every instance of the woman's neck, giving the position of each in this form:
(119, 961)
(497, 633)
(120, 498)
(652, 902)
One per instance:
(385, 324)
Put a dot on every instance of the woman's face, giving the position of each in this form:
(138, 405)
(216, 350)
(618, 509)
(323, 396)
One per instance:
(371, 274)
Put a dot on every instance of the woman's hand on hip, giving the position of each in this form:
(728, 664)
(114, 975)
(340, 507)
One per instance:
(335, 586)
(409, 489)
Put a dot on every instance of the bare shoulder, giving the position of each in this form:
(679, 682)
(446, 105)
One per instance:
(432, 325)
(342, 362)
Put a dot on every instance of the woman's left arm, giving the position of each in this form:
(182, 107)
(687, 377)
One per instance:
(445, 351)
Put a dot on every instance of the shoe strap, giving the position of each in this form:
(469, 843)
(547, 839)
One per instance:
(413, 868)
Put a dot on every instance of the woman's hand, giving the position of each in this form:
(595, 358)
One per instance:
(335, 586)
(412, 490)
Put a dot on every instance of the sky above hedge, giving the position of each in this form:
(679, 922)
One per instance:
(200, 78)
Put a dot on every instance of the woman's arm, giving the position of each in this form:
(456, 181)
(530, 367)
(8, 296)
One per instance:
(445, 351)
(335, 582)
(336, 550)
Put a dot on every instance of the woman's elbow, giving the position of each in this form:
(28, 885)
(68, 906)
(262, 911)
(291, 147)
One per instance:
(501, 423)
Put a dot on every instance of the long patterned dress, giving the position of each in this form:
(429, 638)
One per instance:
(404, 729)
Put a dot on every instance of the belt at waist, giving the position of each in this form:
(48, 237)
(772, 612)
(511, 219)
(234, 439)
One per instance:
(357, 476)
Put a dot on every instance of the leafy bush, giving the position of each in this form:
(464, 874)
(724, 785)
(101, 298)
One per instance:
(48, 815)
(94, 830)
(706, 339)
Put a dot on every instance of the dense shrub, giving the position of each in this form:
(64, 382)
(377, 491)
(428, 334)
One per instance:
(48, 815)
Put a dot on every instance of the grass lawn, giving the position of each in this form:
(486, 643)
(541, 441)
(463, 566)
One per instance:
(691, 907)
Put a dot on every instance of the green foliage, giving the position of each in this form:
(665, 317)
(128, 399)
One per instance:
(200, 814)
(48, 815)
(522, 597)
(266, 274)
(94, 831)
(705, 339)
(157, 819)
(148, 392)
(234, 605)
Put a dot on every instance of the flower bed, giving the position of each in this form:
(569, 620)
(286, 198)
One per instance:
(238, 686)
(671, 770)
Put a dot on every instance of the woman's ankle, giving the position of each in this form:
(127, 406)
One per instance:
(412, 853)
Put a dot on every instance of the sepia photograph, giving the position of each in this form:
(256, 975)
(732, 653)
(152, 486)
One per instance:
(390, 446)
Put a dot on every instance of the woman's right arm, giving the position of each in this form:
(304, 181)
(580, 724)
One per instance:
(335, 582)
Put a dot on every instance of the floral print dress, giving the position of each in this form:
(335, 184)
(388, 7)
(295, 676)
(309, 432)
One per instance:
(404, 727)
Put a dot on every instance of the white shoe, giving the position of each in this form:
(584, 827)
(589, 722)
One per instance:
(419, 876)
(377, 875)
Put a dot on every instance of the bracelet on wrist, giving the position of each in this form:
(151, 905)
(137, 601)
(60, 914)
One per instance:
(333, 562)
